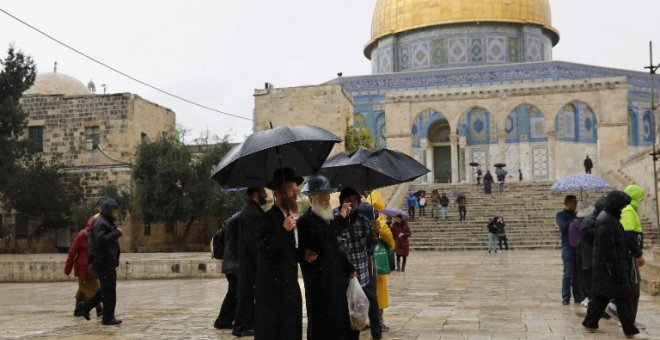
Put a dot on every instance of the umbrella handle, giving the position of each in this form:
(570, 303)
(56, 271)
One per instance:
(279, 159)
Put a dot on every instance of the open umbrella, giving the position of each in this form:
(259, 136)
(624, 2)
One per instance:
(581, 182)
(392, 212)
(500, 165)
(474, 164)
(253, 163)
(366, 170)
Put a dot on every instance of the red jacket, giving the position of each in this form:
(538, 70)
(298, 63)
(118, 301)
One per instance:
(77, 258)
(402, 242)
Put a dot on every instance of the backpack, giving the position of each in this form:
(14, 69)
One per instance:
(575, 231)
(218, 244)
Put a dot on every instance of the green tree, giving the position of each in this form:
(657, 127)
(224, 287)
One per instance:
(17, 74)
(173, 187)
(357, 137)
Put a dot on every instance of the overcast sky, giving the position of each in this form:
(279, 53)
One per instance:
(216, 52)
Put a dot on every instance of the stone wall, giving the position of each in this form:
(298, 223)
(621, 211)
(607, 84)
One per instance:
(326, 106)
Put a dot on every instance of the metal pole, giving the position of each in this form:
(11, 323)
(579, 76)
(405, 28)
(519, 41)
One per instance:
(652, 68)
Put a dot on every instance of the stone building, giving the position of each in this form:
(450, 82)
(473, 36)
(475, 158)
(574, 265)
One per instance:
(93, 136)
(461, 81)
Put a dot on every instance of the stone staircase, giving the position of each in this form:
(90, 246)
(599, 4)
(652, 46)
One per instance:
(650, 273)
(528, 208)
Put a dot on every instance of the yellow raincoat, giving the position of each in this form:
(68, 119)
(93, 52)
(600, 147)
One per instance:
(388, 239)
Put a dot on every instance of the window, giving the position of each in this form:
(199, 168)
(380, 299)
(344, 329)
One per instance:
(36, 138)
(21, 226)
(92, 137)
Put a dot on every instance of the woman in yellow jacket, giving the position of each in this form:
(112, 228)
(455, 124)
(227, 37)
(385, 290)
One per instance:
(385, 233)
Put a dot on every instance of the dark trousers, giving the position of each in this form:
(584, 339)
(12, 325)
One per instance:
(462, 212)
(624, 308)
(422, 211)
(411, 212)
(370, 292)
(107, 294)
(244, 319)
(506, 242)
(570, 281)
(587, 170)
(228, 308)
(399, 266)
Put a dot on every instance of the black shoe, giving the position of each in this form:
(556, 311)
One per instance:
(111, 322)
(565, 302)
(245, 332)
(219, 325)
(99, 311)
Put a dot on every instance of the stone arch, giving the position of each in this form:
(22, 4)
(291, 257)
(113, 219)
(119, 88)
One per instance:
(421, 124)
(648, 125)
(576, 122)
(525, 123)
(380, 122)
(359, 121)
(478, 126)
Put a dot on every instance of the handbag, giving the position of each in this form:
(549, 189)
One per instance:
(382, 259)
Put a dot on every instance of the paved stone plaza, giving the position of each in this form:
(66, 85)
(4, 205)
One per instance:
(442, 295)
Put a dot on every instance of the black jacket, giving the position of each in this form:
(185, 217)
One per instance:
(278, 310)
(325, 278)
(252, 223)
(587, 234)
(230, 255)
(611, 256)
(103, 242)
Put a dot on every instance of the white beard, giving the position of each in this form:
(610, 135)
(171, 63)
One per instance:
(324, 213)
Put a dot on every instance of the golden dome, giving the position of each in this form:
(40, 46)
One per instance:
(396, 16)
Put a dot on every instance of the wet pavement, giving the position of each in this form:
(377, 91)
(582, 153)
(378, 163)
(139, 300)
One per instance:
(442, 295)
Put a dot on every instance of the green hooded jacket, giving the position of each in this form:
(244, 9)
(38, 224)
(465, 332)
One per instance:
(629, 217)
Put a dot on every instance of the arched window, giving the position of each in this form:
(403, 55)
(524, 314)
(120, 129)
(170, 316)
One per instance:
(478, 128)
(633, 127)
(525, 123)
(576, 122)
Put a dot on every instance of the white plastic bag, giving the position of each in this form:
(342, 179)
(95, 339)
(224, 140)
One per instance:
(358, 305)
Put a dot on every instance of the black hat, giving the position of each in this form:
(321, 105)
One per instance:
(317, 184)
(347, 192)
(281, 176)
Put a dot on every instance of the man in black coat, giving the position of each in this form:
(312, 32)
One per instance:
(325, 269)
(588, 165)
(104, 257)
(229, 267)
(612, 263)
(251, 225)
(278, 309)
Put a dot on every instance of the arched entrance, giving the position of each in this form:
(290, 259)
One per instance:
(438, 136)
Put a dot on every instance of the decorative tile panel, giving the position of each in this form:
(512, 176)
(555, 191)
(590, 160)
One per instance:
(496, 50)
(457, 51)
(421, 55)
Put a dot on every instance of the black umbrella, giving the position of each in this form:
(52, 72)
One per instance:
(474, 164)
(253, 163)
(366, 170)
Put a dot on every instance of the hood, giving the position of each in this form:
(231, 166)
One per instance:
(107, 207)
(636, 194)
(616, 201)
(600, 205)
(376, 200)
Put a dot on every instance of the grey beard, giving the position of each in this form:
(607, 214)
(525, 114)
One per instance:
(323, 213)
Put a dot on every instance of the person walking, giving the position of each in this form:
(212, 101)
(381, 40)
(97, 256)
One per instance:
(435, 204)
(461, 202)
(613, 258)
(488, 182)
(77, 260)
(501, 177)
(412, 205)
(569, 277)
(479, 174)
(225, 319)
(278, 300)
(103, 249)
(422, 204)
(492, 235)
(588, 165)
(586, 249)
(632, 225)
(252, 224)
(520, 175)
(444, 203)
(402, 234)
(501, 234)
(325, 269)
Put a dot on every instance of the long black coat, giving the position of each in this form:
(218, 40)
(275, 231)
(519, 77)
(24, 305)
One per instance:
(278, 310)
(230, 255)
(325, 278)
(251, 226)
(103, 241)
(611, 259)
(488, 181)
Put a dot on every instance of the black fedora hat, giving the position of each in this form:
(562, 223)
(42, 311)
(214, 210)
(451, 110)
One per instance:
(281, 176)
(317, 184)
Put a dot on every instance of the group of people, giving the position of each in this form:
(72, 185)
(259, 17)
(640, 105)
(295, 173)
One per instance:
(264, 249)
(488, 179)
(497, 234)
(439, 204)
(602, 250)
(94, 257)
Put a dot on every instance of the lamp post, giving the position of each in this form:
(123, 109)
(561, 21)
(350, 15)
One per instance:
(655, 154)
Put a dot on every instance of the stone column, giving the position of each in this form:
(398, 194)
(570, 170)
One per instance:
(552, 142)
(453, 140)
(427, 153)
